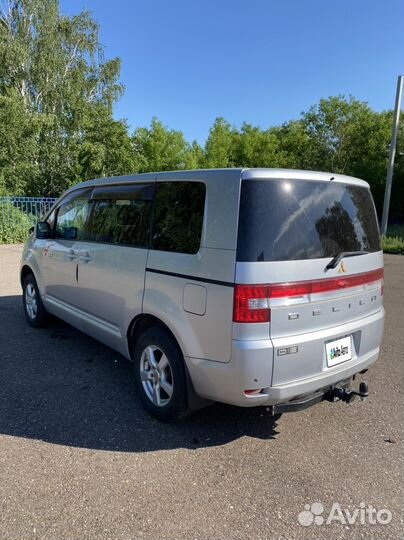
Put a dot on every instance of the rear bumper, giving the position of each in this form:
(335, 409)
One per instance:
(251, 367)
(287, 392)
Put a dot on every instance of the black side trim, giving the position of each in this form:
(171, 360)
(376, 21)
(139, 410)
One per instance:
(192, 278)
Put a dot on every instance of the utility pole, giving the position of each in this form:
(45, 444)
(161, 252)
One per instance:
(392, 155)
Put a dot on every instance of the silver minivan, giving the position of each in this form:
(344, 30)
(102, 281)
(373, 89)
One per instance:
(253, 287)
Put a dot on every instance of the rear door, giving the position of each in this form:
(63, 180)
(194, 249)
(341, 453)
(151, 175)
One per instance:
(111, 264)
(289, 231)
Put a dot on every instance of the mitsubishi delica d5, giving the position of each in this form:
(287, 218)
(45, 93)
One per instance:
(253, 287)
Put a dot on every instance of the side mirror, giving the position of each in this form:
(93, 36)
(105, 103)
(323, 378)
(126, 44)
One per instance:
(43, 230)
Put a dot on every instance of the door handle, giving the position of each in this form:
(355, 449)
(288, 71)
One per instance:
(72, 254)
(85, 257)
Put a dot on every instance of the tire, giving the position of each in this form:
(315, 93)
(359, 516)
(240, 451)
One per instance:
(34, 310)
(160, 375)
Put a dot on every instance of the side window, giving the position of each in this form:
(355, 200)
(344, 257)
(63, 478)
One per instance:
(178, 216)
(122, 215)
(71, 217)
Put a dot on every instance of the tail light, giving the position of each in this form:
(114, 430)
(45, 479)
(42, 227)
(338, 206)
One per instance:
(252, 303)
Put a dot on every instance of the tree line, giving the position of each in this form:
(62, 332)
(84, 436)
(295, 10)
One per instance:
(57, 128)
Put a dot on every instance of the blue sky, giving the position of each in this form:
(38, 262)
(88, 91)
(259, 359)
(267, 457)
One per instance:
(260, 61)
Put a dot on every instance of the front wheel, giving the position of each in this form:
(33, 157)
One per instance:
(34, 310)
(160, 375)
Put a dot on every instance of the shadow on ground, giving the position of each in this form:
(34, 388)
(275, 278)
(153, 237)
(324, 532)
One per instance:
(61, 386)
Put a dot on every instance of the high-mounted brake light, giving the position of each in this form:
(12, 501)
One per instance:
(252, 302)
(290, 290)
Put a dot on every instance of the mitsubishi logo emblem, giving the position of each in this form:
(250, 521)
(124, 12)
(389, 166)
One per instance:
(342, 268)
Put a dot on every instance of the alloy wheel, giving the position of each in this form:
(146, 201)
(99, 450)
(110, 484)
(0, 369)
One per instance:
(31, 302)
(156, 376)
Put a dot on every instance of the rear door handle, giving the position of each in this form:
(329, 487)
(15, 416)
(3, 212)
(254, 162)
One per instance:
(85, 257)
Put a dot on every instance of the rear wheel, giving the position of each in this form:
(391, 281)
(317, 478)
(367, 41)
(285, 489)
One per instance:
(34, 310)
(160, 375)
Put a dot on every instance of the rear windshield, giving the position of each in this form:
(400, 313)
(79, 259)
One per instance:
(285, 220)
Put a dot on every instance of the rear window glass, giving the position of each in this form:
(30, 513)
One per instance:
(284, 220)
(178, 216)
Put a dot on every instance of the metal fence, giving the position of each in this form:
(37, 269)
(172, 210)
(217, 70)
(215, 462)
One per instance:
(23, 211)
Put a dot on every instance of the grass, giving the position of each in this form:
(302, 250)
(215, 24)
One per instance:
(393, 242)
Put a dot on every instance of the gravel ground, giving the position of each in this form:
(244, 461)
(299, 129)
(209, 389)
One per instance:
(80, 459)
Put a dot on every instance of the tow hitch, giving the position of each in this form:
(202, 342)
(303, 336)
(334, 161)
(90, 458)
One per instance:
(347, 394)
(337, 393)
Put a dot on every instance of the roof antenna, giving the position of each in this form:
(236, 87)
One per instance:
(332, 178)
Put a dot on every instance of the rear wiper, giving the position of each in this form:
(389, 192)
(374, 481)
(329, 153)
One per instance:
(338, 258)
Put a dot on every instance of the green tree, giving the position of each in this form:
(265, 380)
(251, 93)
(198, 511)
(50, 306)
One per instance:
(52, 73)
(106, 149)
(346, 134)
(296, 145)
(220, 148)
(255, 147)
(160, 149)
(196, 156)
(18, 146)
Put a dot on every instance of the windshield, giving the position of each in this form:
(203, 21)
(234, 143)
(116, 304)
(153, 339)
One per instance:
(284, 220)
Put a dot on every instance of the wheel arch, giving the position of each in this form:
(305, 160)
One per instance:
(140, 324)
(25, 270)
